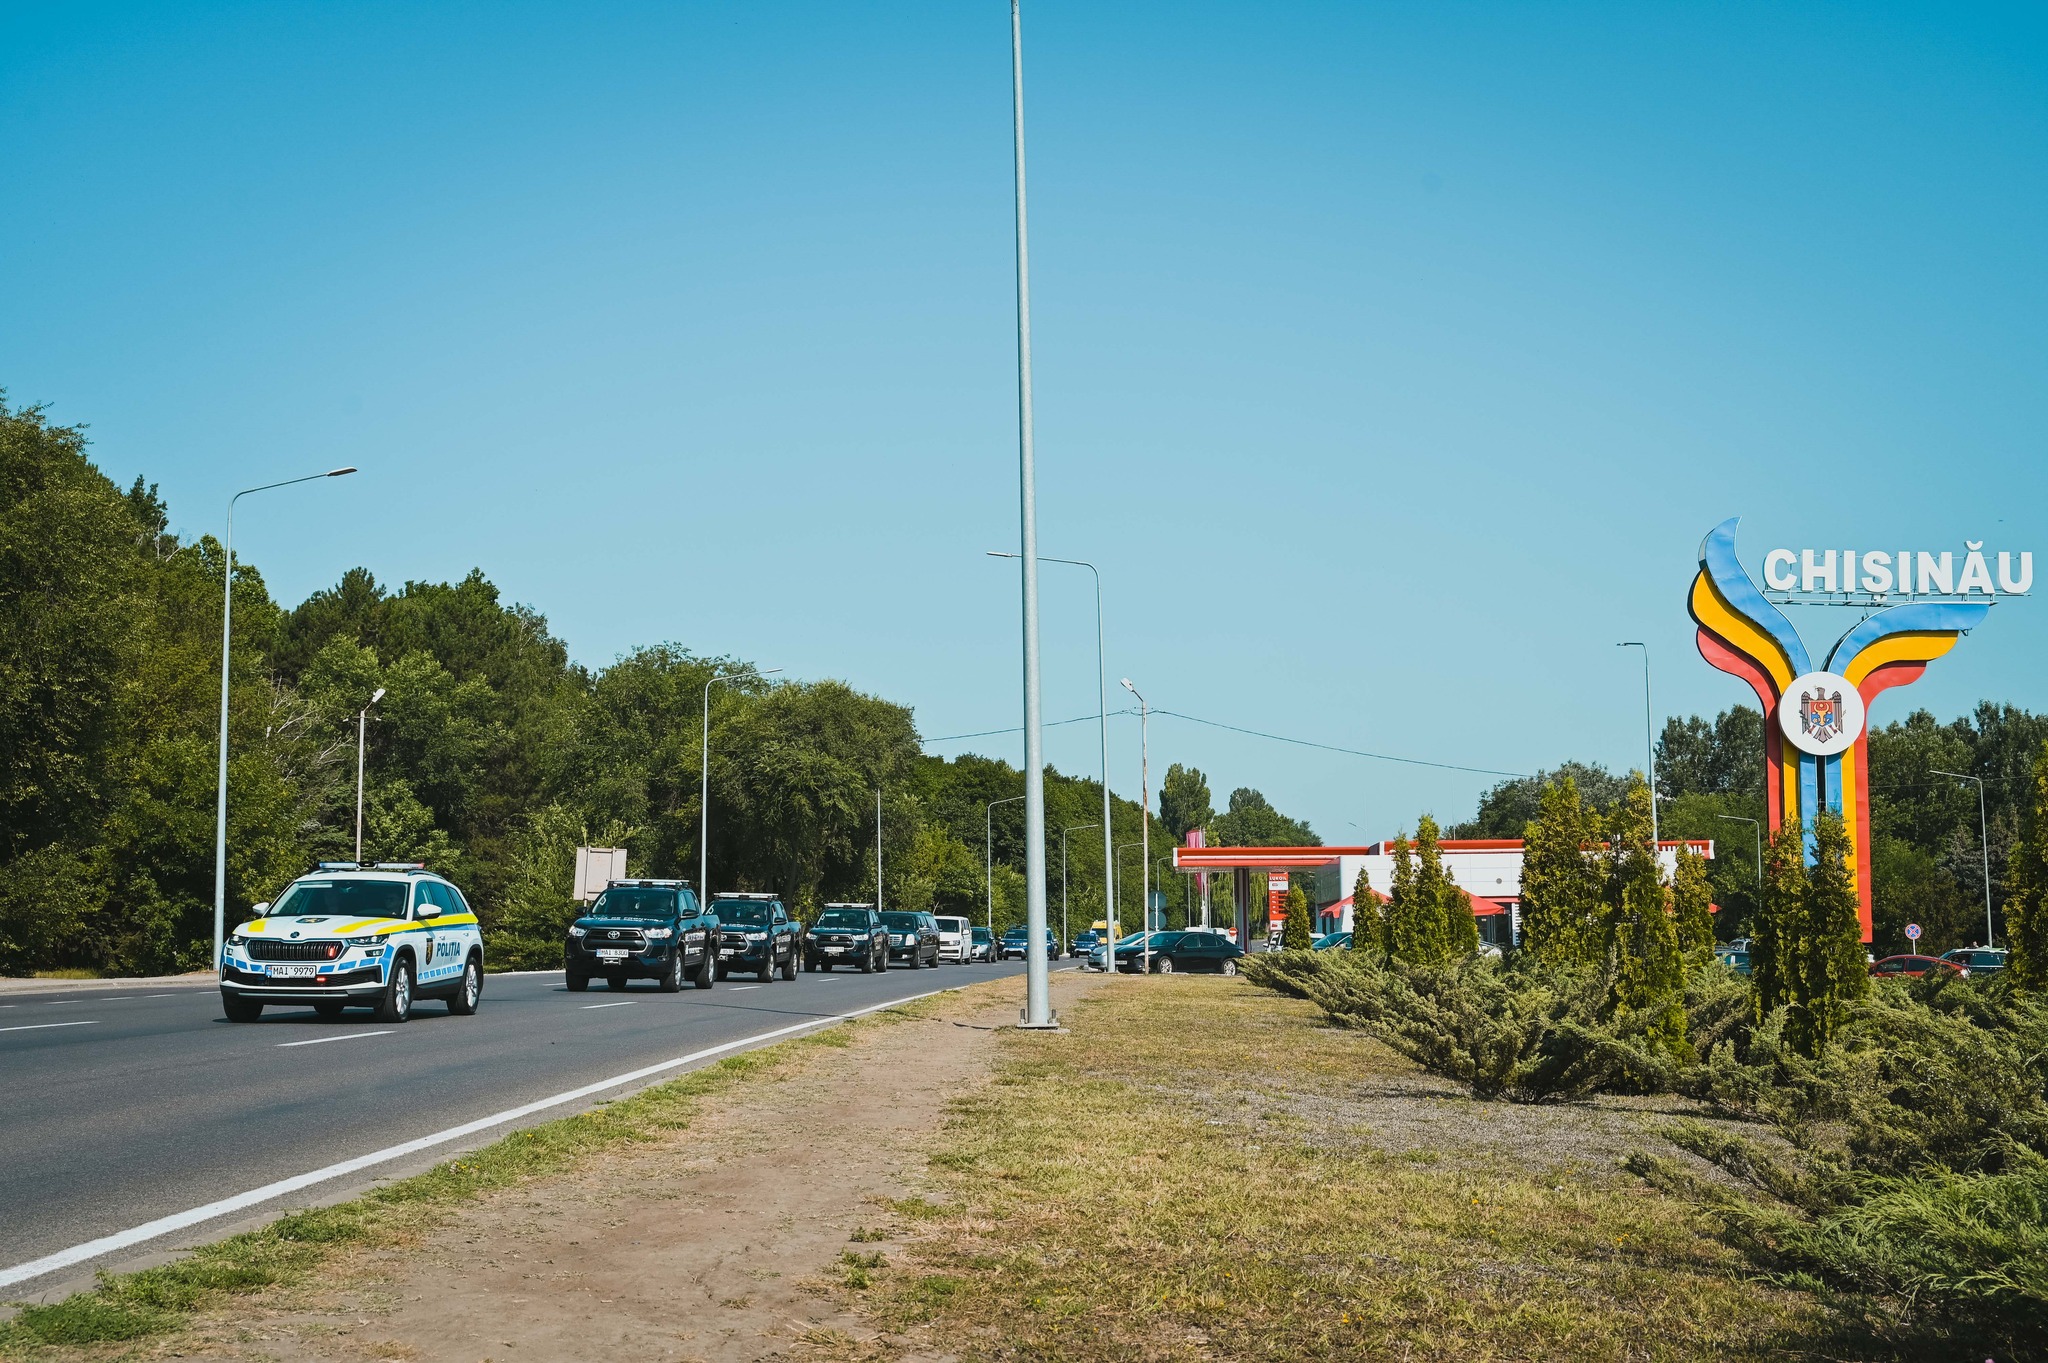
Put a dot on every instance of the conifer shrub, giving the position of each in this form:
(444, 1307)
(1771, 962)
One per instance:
(1295, 932)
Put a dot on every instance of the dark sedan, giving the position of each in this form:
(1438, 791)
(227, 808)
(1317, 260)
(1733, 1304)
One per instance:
(1979, 961)
(1174, 951)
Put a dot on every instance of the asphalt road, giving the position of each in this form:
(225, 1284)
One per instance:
(119, 1108)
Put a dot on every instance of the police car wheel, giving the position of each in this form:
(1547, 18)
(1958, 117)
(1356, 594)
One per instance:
(396, 1005)
(789, 967)
(672, 978)
(707, 969)
(242, 1010)
(577, 983)
(721, 973)
(329, 1008)
(462, 1003)
(768, 967)
(867, 964)
(615, 982)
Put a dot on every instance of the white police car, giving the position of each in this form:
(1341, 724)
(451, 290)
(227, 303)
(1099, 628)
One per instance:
(378, 937)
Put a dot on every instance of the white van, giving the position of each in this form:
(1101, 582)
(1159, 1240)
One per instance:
(956, 939)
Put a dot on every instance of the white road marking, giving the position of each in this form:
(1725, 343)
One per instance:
(323, 1040)
(41, 1026)
(165, 1225)
(742, 988)
(622, 1003)
(58, 1003)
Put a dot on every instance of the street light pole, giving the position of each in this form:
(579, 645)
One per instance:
(989, 828)
(878, 849)
(1122, 848)
(227, 615)
(704, 783)
(1983, 841)
(1102, 739)
(1649, 742)
(1144, 820)
(1066, 932)
(1757, 825)
(1038, 981)
(362, 722)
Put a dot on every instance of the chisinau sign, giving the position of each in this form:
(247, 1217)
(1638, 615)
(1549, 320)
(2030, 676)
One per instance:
(1816, 739)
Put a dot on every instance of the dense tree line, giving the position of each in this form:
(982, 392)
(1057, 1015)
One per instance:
(491, 756)
(1926, 855)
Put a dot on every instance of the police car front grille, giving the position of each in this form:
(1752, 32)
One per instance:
(261, 949)
(613, 938)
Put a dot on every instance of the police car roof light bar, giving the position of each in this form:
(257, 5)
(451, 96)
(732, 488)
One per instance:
(745, 894)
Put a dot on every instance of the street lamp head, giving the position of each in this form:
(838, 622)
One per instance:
(376, 695)
(1631, 643)
(337, 473)
(1130, 688)
(997, 553)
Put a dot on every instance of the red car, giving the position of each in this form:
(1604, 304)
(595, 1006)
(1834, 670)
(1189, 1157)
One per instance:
(1915, 967)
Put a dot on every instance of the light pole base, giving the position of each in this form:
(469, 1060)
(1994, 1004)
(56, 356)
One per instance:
(1051, 1024)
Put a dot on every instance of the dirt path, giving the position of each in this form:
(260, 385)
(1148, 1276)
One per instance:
(709, 1245)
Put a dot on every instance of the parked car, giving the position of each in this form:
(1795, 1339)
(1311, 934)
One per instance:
(645, 930)
(1172, 951)
(956, 939)
(1735, 958)
(755, 932)
(1891, 967)
(1332, 941)
(1016, 940)
(913, 937)
(847, 934)
(1977, 960)
(346, 936)
(981, 945)
(1084, 943)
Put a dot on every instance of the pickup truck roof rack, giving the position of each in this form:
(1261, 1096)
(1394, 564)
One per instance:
(649, 884)
(748, 894)
(861, 904)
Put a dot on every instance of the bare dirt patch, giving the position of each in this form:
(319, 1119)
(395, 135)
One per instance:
(725, 1242)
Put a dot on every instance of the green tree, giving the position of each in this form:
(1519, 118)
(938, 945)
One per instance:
(1368, 919)
(1299, 932)
(1457, 930)
(1692, 904)
(1647, 970)
(2026, 911)
(1184, 801)
(1828, 950)
(1252, 821)
(1774, 938)
(1415, 910)
(1560, 882)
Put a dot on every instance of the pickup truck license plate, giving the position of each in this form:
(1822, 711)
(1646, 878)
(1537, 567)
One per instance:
(835, 951)
(612, 953)
(293, 972)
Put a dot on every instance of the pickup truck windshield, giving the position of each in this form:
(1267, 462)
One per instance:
(901, 922)
(637, 902)
(347, 898)
(844, 918)
(741, 912)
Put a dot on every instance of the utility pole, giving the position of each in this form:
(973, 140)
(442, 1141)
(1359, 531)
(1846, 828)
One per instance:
(362, 720)
(1649, 743)
(1066, 936)
(1983, 841)
(878, 851)
(1144, 820)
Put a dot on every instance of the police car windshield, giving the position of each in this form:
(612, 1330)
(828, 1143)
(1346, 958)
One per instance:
(730, 911)
(345, 898)
(844, 918)
(634, 902)
(902, 922)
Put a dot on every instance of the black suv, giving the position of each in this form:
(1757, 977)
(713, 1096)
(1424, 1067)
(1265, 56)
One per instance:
(913, 937)
(643, 929)
(755, 933)
(847, 934)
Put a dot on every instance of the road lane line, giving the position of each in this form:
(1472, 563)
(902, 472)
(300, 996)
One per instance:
(622, 1003)
(742, 988)
(43, 1026)
(177, 1221)
(323, 1040)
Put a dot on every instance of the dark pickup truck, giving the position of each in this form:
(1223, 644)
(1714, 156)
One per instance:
(643, 929)
(847, 934)
(756, 933)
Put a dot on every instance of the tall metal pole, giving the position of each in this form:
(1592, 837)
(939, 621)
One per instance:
(227, 615)
(1649, 743)
(1102, 738)
(1983, 841)
(989, 829)
(1144, 820)
(1038, 982)
(1066, 934)
(704, 784)
(362, 723)
(878, 849)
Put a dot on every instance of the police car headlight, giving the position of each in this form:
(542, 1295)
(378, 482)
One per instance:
(657, 934)
(576, 929)
(757, 937)
(364, 941)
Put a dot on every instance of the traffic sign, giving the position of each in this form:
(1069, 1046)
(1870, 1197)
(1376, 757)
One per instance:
(1912, 932)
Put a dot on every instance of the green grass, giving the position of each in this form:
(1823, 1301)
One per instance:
(1191, 1174)
(154, 1301)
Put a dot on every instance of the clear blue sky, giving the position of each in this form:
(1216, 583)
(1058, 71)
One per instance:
(1392, 359)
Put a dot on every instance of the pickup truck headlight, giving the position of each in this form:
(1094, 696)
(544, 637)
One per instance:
(576, 929)
(659, 934)
(757, 937)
